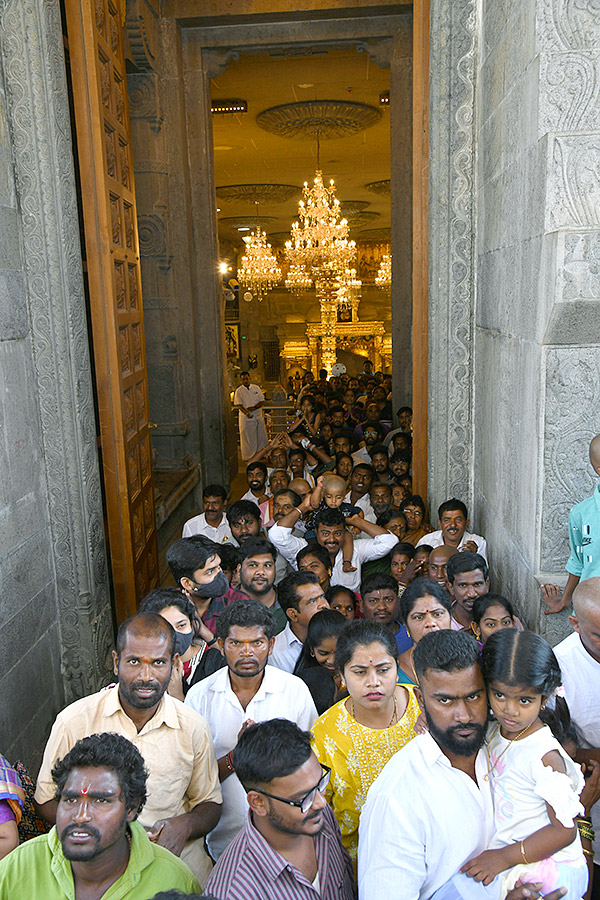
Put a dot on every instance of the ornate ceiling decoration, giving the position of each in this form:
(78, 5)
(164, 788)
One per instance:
(258, 193)
(232, 223)
(353, 206)
(327, 118)
(379, 187)
(363, 217)
(375, 234)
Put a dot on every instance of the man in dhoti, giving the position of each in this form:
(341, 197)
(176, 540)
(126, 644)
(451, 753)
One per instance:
(249, 399)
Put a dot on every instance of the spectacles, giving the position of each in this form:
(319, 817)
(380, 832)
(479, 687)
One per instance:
(305, 804)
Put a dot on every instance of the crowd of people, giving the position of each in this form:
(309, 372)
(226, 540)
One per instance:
(330, 701)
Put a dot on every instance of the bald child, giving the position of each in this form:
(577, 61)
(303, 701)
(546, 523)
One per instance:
(584, 540)
(329, 493)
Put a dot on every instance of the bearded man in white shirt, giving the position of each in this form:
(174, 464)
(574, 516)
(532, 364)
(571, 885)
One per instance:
(430, 811)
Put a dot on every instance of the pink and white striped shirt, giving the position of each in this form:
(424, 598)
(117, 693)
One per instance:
(249, 869)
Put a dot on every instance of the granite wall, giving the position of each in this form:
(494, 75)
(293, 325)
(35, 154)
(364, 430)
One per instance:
(536, 360)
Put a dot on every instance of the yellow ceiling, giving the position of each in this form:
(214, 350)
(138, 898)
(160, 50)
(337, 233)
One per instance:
(246, 153)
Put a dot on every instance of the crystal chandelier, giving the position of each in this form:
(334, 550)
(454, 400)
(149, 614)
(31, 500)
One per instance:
(383, 278)
(298, 279)
(319, 239)
(259, 271)
(348, 292)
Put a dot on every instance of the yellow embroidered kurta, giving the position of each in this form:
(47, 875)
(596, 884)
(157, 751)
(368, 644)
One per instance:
(356, 756)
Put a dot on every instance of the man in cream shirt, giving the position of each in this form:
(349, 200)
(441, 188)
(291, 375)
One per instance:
(184, 797)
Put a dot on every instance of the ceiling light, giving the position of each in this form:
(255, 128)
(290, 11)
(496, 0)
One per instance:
(228, 107)
(244, 228)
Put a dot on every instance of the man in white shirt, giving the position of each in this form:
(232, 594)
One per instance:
(430, 810)
(329, 532)
(300, 596)
(249, 399)
(212, 523)
(453, 520)
(579, 659)
(247, 691)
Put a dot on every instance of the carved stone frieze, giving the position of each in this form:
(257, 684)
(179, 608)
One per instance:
(215, 61)
(141, 27)
(327, 118)
(571, 421)
(574, 182)
(380, 51)
(579, 270)
(258, 193)
(569, 92)
(145, 99)
(152, 235)
(31, 44)
(568, 24)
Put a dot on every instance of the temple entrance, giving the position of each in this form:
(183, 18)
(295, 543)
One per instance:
(159, 100)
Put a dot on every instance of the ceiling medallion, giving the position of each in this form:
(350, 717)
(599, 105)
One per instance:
(375, 234)
(379, 187)
(233, 223)
(327, 118)
(362, 217)
(353, 206)
(258, 193)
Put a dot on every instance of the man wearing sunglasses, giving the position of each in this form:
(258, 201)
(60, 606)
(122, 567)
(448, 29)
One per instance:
(291, 844)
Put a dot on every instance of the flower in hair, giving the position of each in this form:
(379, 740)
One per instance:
(560, 692)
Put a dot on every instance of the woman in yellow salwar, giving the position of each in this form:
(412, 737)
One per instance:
(357, 736)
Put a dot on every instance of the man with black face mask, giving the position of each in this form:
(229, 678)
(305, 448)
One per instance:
(184, 798)
(196, 567)
(247, 691)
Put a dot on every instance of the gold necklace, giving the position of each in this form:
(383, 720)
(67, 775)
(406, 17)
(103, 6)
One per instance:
(394, 714)
(491, 767)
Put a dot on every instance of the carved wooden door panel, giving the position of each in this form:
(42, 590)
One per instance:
(94, 29)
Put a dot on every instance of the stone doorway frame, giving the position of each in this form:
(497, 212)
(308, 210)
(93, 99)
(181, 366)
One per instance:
(375, 35)
(32, 51)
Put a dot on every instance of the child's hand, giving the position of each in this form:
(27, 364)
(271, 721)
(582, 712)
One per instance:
(320, 481)
(347, 566)
(486, 866)
(421, 726)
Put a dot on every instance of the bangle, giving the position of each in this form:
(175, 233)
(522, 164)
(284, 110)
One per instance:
(586, 819)
(298, 510)
(586, 832)
(525, 860)
(588, 852)
(229, 761)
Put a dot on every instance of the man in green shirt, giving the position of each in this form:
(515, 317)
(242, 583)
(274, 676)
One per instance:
(96, 850)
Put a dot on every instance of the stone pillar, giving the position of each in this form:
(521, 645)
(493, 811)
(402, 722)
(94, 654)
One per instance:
(54, 571)
(454, 30)
(537, 364)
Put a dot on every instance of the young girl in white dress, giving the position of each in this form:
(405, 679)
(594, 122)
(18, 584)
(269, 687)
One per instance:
(536, 785)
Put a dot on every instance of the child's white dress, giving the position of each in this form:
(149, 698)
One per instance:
(522, 785)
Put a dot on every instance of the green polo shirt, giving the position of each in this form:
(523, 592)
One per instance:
(38, 869)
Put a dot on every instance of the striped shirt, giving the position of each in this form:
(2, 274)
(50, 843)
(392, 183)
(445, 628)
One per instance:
(250, 869)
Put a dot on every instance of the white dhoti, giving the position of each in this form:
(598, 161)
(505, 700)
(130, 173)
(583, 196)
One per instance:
(253, 436)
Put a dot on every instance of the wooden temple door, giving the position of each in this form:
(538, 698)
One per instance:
(94, 29)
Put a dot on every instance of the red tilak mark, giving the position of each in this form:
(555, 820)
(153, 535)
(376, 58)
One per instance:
(85, 790)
